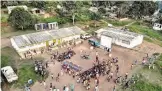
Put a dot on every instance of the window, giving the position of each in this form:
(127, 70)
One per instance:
(126, 42)
(37, 11)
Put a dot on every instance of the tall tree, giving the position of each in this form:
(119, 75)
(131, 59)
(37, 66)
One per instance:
(39, 4)
(20, 18)
(140, 8)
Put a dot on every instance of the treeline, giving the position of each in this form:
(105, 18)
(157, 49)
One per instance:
(68, 10)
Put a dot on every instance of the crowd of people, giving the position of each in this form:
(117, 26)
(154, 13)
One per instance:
(100, 68)
(40, 68)
(62, 56)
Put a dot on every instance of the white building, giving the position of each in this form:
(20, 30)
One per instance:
(119, 37)
(10, 8)
(157, 26)
(37, 11)
(41, 40)
(9, 74)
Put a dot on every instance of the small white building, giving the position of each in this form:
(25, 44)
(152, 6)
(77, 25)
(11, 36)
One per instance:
(37, 11)
(119, 37)
(10, 8)
(9, 74)
(41, 40)
(157, 26)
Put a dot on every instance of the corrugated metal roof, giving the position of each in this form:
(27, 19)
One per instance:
(38, 37)
(118, 33)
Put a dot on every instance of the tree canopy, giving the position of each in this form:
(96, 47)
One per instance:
(21, 19)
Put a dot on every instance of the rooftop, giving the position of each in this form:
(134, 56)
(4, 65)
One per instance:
(118, 33)
(38, 37)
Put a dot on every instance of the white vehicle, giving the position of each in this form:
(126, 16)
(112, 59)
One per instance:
(9, 74)
(86, 36)
(157, 26)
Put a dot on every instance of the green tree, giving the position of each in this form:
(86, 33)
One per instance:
(139, 9)
(21, 19)
(39, 4)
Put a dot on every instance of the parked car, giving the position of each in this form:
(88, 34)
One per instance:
(86, 36)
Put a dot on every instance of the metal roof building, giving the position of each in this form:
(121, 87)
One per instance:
(121, 37)
(44, 38)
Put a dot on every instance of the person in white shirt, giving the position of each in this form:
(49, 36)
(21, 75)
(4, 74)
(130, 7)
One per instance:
(67, 88)
(96, 88)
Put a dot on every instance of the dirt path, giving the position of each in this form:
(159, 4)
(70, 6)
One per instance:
(5, 42)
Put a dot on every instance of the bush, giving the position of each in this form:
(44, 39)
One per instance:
(145, 86)
(83, 17)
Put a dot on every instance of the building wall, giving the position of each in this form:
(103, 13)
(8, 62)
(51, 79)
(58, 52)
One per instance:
(128, 44)
(37, 47)
(106, 41)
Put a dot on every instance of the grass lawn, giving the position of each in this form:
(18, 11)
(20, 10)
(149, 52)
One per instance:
(150, 79)
(25, 73)
(143, 85)
(25, 68)
(119, 23)
(8, 32)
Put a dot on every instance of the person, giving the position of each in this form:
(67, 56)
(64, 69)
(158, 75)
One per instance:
(126, 75)
(149, 66)
(114, 88)
(62, 72)
(46, 64)
(81, 51)
(78, 80)
(44, 83)
(52, 76)
(132, 66)
(72, 87)
(67, 88)
(88, 86)
(57, 78)
(91, 47)
(50, 86)
(64, 88)
(96, 88)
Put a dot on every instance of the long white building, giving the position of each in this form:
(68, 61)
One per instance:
(41, 40)
(118, 36)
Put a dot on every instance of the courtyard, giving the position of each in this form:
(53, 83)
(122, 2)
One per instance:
(125, 57)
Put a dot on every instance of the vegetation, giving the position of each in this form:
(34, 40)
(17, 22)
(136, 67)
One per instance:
(143, 85)
(21, 19)
(119, 23)
(139, 9)
(5, 60)
(159, 63)
(150, 34)
(25, 73)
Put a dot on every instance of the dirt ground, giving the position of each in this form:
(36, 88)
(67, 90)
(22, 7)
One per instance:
(125, 56)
